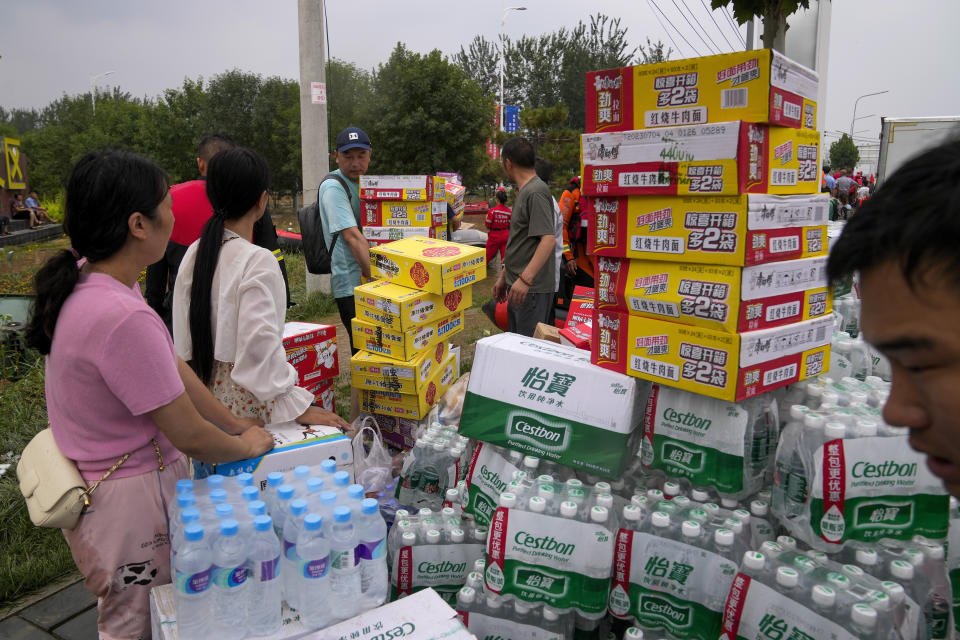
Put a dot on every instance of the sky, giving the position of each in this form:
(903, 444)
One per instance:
(52, 47)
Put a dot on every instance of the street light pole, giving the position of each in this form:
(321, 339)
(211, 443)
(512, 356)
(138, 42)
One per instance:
(503, 20)
(857, 102)
(93, 88)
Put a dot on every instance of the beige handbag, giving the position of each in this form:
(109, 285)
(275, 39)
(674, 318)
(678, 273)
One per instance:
(55, 491)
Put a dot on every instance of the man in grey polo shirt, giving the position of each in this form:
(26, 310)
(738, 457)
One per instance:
(527, 279)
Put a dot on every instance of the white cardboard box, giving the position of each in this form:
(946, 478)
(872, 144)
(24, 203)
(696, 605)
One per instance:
(294, 444)
(421, 616)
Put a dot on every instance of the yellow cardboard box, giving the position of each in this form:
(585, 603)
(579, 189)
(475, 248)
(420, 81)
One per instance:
(728, 366)
(402, 308)
(377, 236)
(430, 265)
(379, 373)
(731, 230)
(410, 187)
(757, 86)
(455, 196)
(715, 296)
(405, 345)
(400, 213)
(412, 405)
(725, 158)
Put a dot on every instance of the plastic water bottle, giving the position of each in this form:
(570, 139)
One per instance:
(300, 475)
(372, 553)
(328, 467)
(314, 487)
(345, 581)
(313, 573)
(237, 484)
(355, 495)
(230, 588)
(274, 480)
(291, 531)
(281, 507)
(263, 574)
(341, 480)
(193, 568)
(187, 516)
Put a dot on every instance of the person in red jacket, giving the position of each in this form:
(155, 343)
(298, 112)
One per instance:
(498, 223)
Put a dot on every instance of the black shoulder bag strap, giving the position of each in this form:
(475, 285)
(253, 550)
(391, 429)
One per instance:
(336, 234)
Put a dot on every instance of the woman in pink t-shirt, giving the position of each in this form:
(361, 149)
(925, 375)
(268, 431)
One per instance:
(114, 385)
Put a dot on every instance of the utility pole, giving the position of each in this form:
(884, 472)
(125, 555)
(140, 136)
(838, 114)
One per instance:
(313, 111)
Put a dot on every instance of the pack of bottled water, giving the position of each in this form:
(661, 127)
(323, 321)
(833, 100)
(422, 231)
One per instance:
(551, 543)
(488, 615)
(850, 355)
(782, 591)
(436, 463)
(842, 476)
(675, 559)
(435, 549)
(724, 446)
(311, 539)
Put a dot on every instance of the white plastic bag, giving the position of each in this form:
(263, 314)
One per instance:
(372, 467)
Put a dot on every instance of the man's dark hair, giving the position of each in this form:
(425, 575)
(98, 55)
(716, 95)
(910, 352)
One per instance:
(826, 168)
(543, 169)
(520, 152)
(913, 219)
(212, 144)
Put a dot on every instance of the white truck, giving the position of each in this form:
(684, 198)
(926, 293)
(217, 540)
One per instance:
(903, 138)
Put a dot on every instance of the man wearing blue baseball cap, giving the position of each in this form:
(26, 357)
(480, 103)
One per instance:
(339, 202)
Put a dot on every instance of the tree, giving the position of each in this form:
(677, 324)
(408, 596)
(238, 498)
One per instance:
(427, 116)
(844, 153)
(555, 142)
(773, 12)
(479, 61)
(350, 98)
(654, 52)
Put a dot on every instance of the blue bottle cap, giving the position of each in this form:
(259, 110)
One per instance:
(190, 514)
(286, 491)
(312, 522)
(193, 532)
(274, 479)
(341, 514)
(244, 479)
(249, 494)
(298, 507)
(215, 481)
(341, 478)
(314, 485)
(369, 505)
(229, 527)
(329, 466)
(186, 500)
(224, 511)
(262, 523)
(218, 495)
(301, 471)
(257, 508)
(355, 492)
(185, 485)
(328, 498)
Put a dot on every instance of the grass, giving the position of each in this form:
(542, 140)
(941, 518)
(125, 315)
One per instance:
(310, 307)
(30, 557)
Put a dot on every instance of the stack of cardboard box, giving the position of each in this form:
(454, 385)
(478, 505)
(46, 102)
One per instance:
(397, 207)
(709, 233)
(312, 350)
(404, 322)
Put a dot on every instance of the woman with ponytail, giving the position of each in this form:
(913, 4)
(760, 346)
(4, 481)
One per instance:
(229, 303)
(114, 385)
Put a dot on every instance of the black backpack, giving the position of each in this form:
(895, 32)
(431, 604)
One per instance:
(315, 251)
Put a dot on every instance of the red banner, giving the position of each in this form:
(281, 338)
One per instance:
(733, 609)
(834, 483)
(405, 572)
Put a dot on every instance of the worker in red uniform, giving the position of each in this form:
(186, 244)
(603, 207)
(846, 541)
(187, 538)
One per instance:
(579, 265)
(498, 224)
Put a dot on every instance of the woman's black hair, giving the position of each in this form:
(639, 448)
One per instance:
(104, 190)
(236, 178)
(501, 196)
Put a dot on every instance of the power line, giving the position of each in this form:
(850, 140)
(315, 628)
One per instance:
(710, 13)
(727, 12)
(653, 6)
(684, 16)
(699, 26)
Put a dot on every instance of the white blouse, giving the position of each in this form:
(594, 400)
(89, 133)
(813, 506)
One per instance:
(248, 310)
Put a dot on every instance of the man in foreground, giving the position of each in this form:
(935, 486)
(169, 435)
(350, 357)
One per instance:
(527, 279)
(904, 243)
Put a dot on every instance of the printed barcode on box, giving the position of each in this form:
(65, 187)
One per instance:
(654, 368)
(821, 334)
(733, 98)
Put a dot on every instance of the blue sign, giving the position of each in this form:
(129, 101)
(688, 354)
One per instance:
(511, 119)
